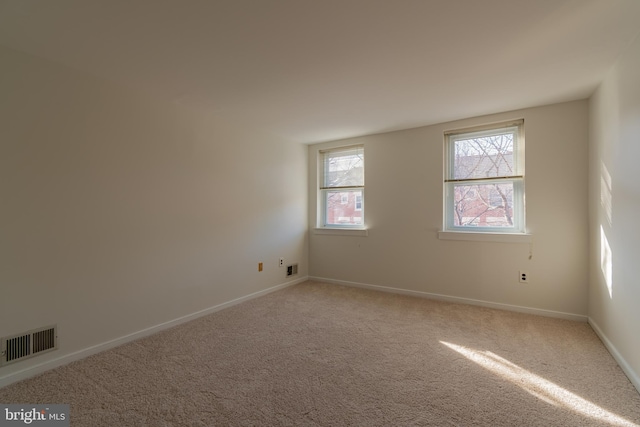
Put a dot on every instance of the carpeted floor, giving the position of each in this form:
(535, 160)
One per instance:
(326, 355)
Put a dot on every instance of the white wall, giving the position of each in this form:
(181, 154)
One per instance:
(615, 150)
(403, 209)
(120, 212)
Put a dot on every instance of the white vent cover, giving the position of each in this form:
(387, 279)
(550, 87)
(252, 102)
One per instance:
(292, 270)
(28, 344)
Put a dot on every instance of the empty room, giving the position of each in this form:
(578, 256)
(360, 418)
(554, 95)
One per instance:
(319, 212)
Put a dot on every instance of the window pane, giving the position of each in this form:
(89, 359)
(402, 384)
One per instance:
(349, 213)
(344, 168)
(483, 155)
(483, 205)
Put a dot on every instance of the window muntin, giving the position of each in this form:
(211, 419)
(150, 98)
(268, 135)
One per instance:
(484, 179)
(342, 187)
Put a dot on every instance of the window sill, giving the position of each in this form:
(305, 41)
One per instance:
(486, 237)
(341, 231)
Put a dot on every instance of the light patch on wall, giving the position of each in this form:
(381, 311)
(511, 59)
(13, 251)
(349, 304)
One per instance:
(606, 261)
(537, 386)
(606, 197)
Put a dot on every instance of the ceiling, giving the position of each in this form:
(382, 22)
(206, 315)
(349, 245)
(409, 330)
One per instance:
(318, 70)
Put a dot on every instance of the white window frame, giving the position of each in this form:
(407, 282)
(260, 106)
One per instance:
(325, 190)
(517, 179)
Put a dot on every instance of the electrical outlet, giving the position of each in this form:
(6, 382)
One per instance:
(281, 262)
(523, 277)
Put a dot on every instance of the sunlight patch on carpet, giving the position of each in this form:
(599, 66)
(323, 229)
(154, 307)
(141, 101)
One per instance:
(539, 387)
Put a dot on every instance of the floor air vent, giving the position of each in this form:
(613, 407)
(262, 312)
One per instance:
(28, 344)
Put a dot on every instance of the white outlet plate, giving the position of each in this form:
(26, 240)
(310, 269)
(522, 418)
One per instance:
(523, 277)
(281, 264)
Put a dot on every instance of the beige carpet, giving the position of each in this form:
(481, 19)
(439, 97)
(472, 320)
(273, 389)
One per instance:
(326, 355)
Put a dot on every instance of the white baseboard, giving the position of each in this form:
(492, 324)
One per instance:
(626, 368)
(447, 298)
(81, 354)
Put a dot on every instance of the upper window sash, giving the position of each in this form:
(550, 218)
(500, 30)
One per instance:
(343, 168)
(509, 164)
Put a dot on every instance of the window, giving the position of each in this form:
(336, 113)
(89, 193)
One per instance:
(358, 202)
(484, 179)
(342, 187)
